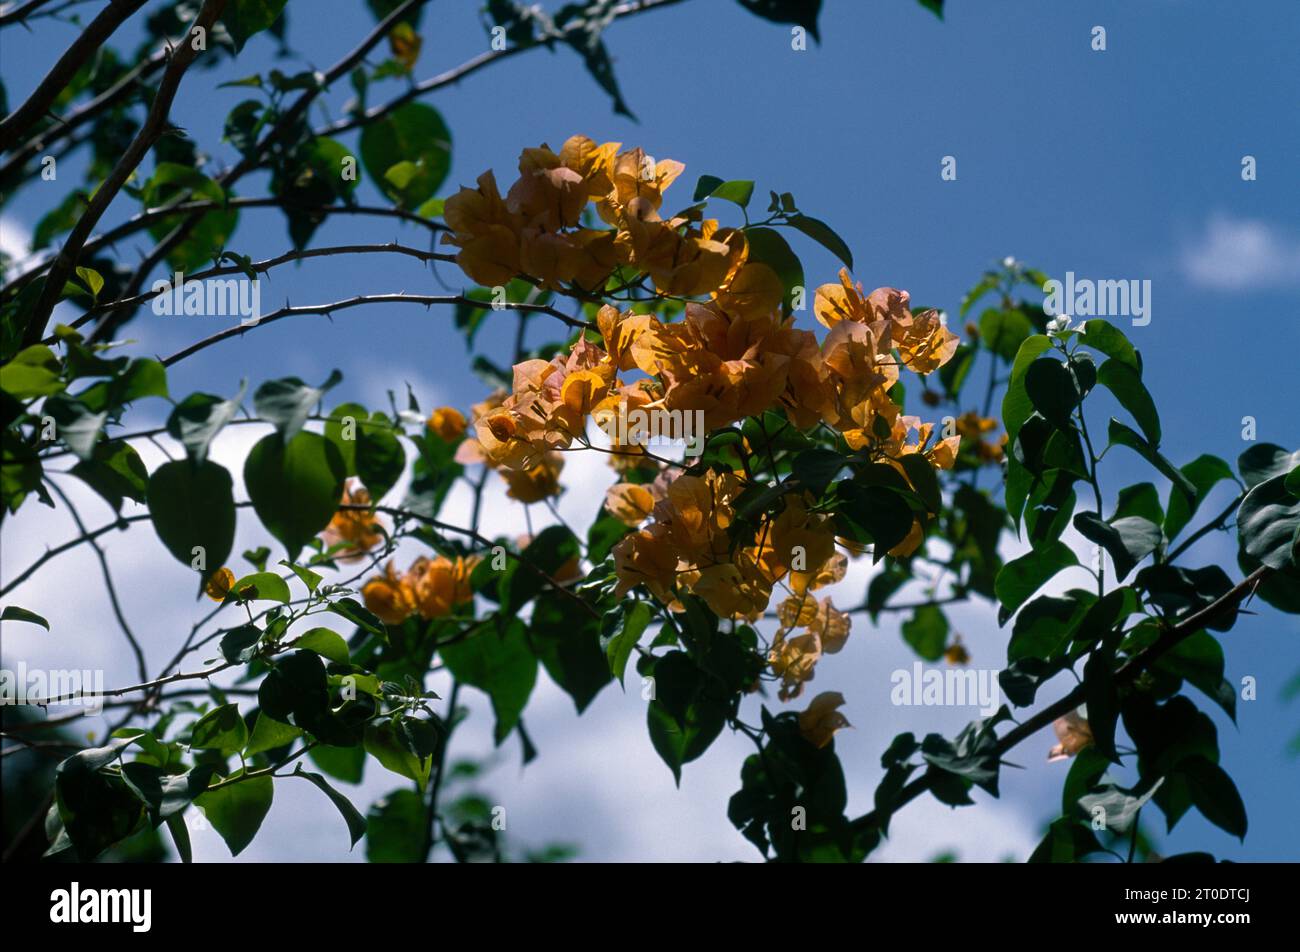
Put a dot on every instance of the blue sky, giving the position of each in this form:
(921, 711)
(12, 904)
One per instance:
(1117, 164)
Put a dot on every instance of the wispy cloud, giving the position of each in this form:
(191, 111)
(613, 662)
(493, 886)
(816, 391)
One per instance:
(1234, 253)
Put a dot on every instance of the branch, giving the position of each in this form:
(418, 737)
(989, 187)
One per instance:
(427, 300)
(470, 66)
(265, 265)
(1126, 673)
(141, 667)
(118, 523)
(82, 49)
(144, 219)
(1215, 523)
(21, 12)
(153, 128)
(64, 126)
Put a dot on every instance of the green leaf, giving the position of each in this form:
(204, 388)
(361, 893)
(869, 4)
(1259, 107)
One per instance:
(1198, 659)
(166, 795)
(222, 728)
(180, 837)
(1103, 336)
(927, 632)
(14, 613)
(396, 828)
(96, 809)
(384, 743)
(243, 18)
(499, 664)
(342, 763)
(972, 756)
(359, 615)
(260, 586)
(621, 629)
(816, 468)
(1267, 523)
(1005, 331)
(1140, 499)
(355, 821)
(92, 279)
(268, 734)
(1121, 435)
(296, 691)
(237, 809)
(341, 430)
(1067, 841)
(921, 474)
(305, 575)
(824, 235)
(1204, 473)
(686, 715)
(77, 425)
(874, 514)
(521, 581)
(1021, 577)
(1085, 772)
(739, 192)
(1128, 540)
(1052, 390)
(766, 246)
(1044, 627)
(33, 372)
(1016, 405)
(380, 458)
(326, 643)
(240, 645)
(295, 487)
(1215, 795)
(192, 506)
(1264, 461)
(414, 133)
(288, 402)
(804, 13)
(198, 418)
(1126, 384)
(115, 471)
(568, 645)
(603, 536)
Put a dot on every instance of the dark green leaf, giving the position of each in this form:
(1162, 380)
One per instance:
(1022, 577)
(1268, 521)
(192, 506)
(1128, 540)
(355, 821)
(295, 487)
(824, 235)
(500, 664)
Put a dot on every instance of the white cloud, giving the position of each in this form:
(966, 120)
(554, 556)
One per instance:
(1236, 253)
